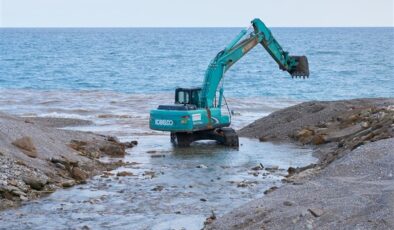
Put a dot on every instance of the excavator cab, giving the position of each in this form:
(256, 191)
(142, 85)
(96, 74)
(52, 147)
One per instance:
(188, 96)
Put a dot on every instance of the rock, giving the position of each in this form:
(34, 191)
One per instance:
(150, 174)
(316, 212)
(270, 190)
(210, 219)
(291, 171)
(258, 167)
(68, 183)
(304, 135)
(246, 183)
(113, 149)
(157, 155)
(343, 133)
(78, 145)
(12, 182)
(112, 139)
(287, 203)
(34, 182)
(61, 166)
(263, 139)
(124, 173)
(318, 139)
(272, 168)
(78, 174)
(201, 166)
(27, 146)
(353, 118)
(364, 124)
(158, 188)
(130, 144)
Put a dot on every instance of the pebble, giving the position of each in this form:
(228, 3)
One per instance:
(316, 212)
(202, 166)
(124, 173)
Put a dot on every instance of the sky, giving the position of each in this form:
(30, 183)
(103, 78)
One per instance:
(196, 13)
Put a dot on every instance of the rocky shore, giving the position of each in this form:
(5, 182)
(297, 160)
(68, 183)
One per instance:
(351, 186)
(36, 157)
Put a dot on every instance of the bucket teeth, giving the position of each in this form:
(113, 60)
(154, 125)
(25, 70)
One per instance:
(302, 68)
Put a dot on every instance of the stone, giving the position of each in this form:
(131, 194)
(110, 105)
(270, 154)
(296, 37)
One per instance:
(130, 144)
(113, 149)
(26, 145)
(258, 167)
(316, 212)
(68, 183)
(78, 174)
(158, 188)
(124, 173)
(287, 203)
(112, 139)
(201, 166)
(150, 174)
(318, 139)
(304, 135)
(364, 124)
(270, 190)
(157, 155)
(272, 168)
(34, 182)
(291, 171)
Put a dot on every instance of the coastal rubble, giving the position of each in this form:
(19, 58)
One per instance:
(350, 186)
(36, 157)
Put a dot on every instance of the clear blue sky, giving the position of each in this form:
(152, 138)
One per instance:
(200, 13)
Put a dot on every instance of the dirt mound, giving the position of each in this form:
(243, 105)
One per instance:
(283, 124)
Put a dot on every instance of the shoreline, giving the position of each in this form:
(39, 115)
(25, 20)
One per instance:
(349, 187)
(37, 158)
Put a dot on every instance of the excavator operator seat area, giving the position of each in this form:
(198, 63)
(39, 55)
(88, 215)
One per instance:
(187, 96)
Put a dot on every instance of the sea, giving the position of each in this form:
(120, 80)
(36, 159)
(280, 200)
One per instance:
(114, 76)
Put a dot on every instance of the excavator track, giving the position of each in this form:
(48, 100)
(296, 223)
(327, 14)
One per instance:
(225, 136)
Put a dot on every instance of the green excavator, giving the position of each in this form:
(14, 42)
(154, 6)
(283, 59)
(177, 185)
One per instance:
(197, 113)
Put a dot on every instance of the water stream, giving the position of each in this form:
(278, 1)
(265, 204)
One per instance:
(170, 188)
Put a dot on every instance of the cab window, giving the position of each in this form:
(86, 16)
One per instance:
(183, 97)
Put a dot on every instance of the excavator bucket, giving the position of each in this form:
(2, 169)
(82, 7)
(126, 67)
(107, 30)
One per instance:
(302, 68)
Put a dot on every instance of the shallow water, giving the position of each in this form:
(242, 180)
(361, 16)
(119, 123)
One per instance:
(131, 202)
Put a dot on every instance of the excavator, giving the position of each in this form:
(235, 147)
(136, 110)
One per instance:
(197, 113)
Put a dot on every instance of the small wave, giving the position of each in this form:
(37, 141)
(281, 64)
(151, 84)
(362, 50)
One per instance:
(64, 115)
(326, 52)
(123, 116)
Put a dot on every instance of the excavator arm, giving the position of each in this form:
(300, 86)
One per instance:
(295, 65)
(196, 114)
